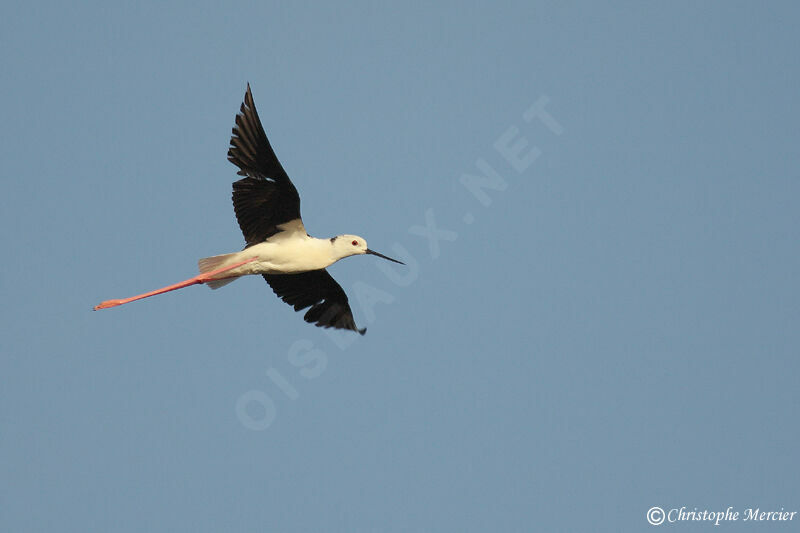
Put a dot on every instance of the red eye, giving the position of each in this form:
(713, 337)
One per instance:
(354, 243)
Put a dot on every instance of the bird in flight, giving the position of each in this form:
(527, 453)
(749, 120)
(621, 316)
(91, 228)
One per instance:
(267, 208)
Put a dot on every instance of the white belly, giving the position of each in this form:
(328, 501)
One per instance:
(284, 256)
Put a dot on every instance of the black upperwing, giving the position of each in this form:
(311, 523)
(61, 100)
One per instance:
(265, 197)
(317, 289)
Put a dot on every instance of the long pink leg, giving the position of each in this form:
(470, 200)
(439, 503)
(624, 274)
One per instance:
(200, 278)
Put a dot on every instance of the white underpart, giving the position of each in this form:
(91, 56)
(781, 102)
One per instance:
(291, 251)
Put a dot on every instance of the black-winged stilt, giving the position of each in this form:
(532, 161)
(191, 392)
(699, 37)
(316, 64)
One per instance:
(267, 207)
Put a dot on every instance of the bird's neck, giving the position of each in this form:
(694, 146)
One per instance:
(324, 248)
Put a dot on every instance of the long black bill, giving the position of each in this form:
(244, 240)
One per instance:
(381, 255)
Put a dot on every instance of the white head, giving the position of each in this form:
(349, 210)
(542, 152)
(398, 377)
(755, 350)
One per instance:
(347, 245)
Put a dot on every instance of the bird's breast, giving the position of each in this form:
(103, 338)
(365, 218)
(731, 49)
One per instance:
(288, 256)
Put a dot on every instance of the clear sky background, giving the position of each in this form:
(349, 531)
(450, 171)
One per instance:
(616, 330)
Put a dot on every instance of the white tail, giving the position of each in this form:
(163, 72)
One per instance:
(207, 264)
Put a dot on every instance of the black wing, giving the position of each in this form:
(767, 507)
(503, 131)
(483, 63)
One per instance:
(266, 197)
(315, 288)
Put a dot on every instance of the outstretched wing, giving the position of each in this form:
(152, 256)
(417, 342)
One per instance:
(317, 289)
(265, 198)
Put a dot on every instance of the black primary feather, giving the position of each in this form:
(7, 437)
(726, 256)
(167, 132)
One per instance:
(318, 290)
(265, 197)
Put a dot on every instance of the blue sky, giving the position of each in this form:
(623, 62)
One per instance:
(611, 326)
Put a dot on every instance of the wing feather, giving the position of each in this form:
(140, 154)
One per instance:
(329, 307)
(265, 198)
